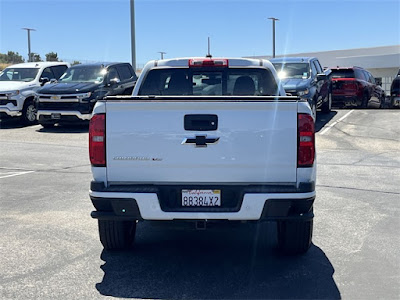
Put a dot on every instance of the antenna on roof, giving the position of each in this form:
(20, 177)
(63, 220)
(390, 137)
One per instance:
(209, 54)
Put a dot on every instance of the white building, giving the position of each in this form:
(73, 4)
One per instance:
(382, 62)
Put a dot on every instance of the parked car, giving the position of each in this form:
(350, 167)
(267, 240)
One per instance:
(355, 86)
(18, 84)
(304, 77)
(73, 97)
(395, 91)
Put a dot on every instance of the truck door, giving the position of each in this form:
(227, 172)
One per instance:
(114, 84)
(375, 90)
(321, 85)
(128, 78)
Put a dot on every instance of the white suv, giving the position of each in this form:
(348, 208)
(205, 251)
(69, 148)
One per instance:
(18, 84)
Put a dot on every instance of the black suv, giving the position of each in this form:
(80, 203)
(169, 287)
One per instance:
(305, 78)
(395, 91)
(73, 97)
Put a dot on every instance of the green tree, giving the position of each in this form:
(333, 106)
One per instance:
(76, 62)
(36, 57)
(51, 56)
(3, 58)
(11, 57)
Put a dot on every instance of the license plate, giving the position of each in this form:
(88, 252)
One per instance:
(201, 197)
(55, 116)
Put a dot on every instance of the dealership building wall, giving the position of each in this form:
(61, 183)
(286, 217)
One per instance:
(383, 62)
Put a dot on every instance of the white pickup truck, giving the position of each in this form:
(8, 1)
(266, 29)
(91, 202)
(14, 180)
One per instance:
(18, 84)
(204, 140)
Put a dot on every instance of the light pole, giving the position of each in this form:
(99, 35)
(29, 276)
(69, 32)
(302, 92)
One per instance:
(29, 42)
(133, 43)
(273, 35)
(162, 54)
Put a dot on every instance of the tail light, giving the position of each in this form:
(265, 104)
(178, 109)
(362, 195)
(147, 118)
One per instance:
(97, 140)
(306, 141)
(208, 62)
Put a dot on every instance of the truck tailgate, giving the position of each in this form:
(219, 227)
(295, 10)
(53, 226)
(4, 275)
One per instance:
(255, 142)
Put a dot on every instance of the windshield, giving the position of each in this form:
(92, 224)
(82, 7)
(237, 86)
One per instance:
(18, 74)
(292, 70)
(84, 74)
(210, 82)
(342, 73)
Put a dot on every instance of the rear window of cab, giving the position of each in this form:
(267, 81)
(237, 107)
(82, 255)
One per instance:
(210, 82)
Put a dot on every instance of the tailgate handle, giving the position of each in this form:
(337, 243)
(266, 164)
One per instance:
(201, 122)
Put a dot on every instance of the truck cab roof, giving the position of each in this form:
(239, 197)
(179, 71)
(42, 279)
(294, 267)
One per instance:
(98, 64)
(231, 62)
(40, 64)
(292, 59)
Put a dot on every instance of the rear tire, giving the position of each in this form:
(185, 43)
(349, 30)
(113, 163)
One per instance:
(314, 109)
(327, 106)
(382, 101)
(116, 235)
(364, 101)
(294, 237)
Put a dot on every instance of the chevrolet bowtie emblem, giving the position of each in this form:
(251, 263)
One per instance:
(200, 141)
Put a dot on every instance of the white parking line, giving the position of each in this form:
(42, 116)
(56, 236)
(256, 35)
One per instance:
(334, 123)
(15, 174)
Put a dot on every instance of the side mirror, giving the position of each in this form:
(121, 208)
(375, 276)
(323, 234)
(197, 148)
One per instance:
(114, 81)
(44, 80)
(321, 76)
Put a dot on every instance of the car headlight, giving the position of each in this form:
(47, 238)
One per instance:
(303, 93)
(12, 93)
(85, 96)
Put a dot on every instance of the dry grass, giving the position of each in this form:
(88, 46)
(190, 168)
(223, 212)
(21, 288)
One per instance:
(3, 66)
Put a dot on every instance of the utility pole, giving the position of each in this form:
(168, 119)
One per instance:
(162, 54)
(273, 35)
(133, 42)
(208, 53)
(29, 42)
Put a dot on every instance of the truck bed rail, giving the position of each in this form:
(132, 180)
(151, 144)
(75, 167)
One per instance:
(190, 98)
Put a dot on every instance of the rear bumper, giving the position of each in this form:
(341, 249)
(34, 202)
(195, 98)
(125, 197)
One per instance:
(255, 205)
(345, 100)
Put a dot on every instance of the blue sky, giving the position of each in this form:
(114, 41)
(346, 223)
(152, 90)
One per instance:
(99, 30)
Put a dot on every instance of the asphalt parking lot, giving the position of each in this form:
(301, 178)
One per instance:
(50, 247)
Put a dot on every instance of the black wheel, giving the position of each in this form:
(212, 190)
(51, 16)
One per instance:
(314, 109)
(116, 235)
(327, 106)
(294, 237)
(29, 113)
(364, 101)
(382, 101)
